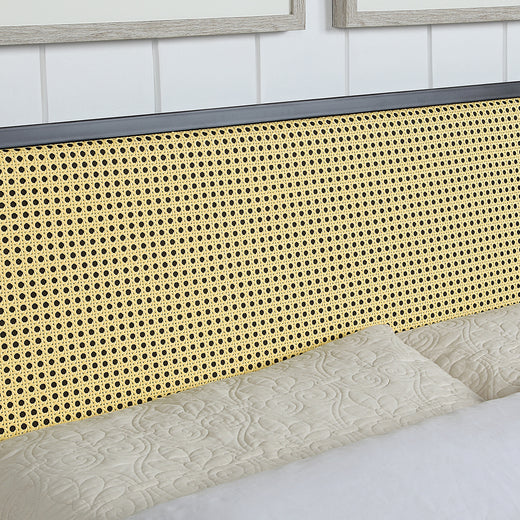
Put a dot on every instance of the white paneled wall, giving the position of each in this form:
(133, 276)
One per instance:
(388, 59)
(207, 72)
(512, 58)
(20, 86)
(304, 64)
(90, 80)
(471, 53)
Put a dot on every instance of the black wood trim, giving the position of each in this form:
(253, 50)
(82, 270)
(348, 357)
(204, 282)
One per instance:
(94, 129)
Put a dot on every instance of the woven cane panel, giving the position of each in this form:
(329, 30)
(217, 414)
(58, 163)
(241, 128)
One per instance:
(136, 267)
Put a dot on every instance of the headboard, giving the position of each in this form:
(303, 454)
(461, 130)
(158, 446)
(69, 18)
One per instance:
(143, 256)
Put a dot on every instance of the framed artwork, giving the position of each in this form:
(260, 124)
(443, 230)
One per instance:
(59, 21)
(373, 13)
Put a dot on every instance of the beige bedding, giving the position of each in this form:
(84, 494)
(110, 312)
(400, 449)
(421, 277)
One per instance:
(482, 350)
(112, 466)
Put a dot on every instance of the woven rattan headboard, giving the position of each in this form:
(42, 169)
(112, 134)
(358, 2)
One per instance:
(134, 267)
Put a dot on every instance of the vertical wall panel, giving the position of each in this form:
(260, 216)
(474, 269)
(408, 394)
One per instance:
(513, 51)
(207, 72)
(304, 64)
(467, 54)
(20, 86)
(106, 79)
(89, 80)
(388, 59)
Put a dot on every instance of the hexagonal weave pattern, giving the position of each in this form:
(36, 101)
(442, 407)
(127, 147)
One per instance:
(136, 267)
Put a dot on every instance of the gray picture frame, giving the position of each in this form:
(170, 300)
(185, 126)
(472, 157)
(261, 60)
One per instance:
(346, 14)
(66, 33)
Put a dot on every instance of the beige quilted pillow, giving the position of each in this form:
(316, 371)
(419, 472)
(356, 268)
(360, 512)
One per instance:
(112, 466)
(482, 350)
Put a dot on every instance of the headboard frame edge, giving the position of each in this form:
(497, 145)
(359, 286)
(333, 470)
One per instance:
(94, 129)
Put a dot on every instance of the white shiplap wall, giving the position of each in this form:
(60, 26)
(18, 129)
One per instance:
(89, 80)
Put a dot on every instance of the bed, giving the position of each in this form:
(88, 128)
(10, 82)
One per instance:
(281, 311)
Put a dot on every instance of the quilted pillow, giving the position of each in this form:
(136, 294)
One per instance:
(118, 464)
(482, 350)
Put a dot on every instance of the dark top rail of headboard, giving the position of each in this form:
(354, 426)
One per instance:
(53, 133)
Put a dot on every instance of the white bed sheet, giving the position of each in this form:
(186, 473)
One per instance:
(463, 466)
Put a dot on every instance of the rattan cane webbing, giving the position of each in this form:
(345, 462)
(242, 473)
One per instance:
(136, 267)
